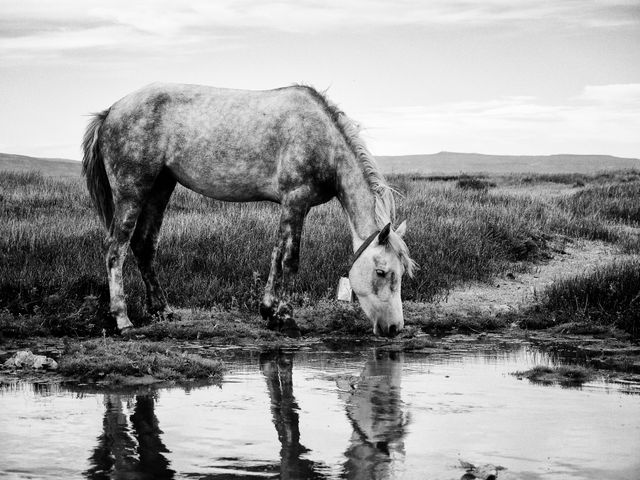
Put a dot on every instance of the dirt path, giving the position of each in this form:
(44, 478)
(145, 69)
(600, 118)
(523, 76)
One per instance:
(515, 290)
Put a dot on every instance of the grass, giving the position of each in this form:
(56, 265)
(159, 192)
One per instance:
(473, 183)
(216, 255)
(617, 202)
(607, 297)
(114, 360)
(567, 376)
(579, 179)
(573, 179)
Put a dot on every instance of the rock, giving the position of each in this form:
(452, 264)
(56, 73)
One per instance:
(26, 359)
(40, 361)
(20, 359)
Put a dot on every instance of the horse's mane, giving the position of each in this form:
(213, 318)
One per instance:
(385, 205)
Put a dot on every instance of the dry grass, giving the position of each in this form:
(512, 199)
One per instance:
(216, 254)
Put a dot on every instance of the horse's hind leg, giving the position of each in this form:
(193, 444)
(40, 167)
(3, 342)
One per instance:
(127, 209)
(144, 242)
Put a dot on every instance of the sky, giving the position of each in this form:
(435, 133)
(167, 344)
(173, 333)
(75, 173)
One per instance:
(515, 77)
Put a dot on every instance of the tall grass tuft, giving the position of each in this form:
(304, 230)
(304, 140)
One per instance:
(608, 296)
(468, 182)
(617, 202)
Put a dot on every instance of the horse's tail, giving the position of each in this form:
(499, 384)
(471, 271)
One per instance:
(93, 169)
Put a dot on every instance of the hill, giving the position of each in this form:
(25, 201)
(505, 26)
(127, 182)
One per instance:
(451, 163)
(51, 167)
(443, 163)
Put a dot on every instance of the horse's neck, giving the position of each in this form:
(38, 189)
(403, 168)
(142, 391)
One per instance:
(379, 385)
(357, 199)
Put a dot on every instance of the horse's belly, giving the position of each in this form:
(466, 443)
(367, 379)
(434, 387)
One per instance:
(225, 181)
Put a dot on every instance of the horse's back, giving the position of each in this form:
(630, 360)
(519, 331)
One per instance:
(229, 144)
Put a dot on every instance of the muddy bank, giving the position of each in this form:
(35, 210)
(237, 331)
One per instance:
(196, 348)
(108, 362)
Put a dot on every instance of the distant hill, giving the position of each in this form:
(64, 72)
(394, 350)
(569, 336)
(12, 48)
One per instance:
(451, 163)
(443, 163)
(51, 167)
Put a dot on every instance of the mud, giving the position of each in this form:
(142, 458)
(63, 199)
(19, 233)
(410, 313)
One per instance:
(608, 356)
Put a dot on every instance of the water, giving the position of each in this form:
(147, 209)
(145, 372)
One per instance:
(366, 414)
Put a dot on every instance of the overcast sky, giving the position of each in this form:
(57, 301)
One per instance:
(421, 76)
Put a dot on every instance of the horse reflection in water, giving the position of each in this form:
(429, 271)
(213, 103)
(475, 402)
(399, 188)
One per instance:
(373, 407)
(277, 369)
(130, 447)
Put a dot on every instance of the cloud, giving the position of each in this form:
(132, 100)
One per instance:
(33, 25)
(67, 39)
(311, 15)
(601, 119)
(620, 95)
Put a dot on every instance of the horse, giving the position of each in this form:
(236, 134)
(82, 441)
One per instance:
(289, 145)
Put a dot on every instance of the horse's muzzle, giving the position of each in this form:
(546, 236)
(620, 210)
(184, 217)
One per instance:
(389, 331)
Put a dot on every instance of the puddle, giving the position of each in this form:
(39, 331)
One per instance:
(366, 414)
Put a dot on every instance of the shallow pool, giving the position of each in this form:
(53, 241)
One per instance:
(365, 414)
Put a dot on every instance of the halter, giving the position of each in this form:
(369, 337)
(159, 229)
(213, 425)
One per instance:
(361, 249)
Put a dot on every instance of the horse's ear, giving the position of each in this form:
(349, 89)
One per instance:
(384, 234)
(402, 229)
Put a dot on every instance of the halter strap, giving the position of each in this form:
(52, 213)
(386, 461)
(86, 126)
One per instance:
(362, 248)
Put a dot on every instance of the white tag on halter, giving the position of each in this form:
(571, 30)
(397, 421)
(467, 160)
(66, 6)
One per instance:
(345, 294)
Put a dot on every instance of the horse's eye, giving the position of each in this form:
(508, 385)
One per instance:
(380, 273)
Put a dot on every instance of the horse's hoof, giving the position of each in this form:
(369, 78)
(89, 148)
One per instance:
(292, 332)
(267, 311)
(122, 322)
(269, 314)
(290, 328)
(273, 323)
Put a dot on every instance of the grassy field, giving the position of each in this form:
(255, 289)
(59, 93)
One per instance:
(216, 255)
(452, 163)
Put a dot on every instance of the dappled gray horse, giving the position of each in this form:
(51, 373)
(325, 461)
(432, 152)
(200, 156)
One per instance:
(289, 145)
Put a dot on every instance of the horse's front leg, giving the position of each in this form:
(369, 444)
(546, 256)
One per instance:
(284, 264)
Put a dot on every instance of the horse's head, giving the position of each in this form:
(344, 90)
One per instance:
(376, 277)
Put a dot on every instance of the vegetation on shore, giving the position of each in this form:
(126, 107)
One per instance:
(606, 297)
(114, 360)
(215, 255)
(566, 375)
